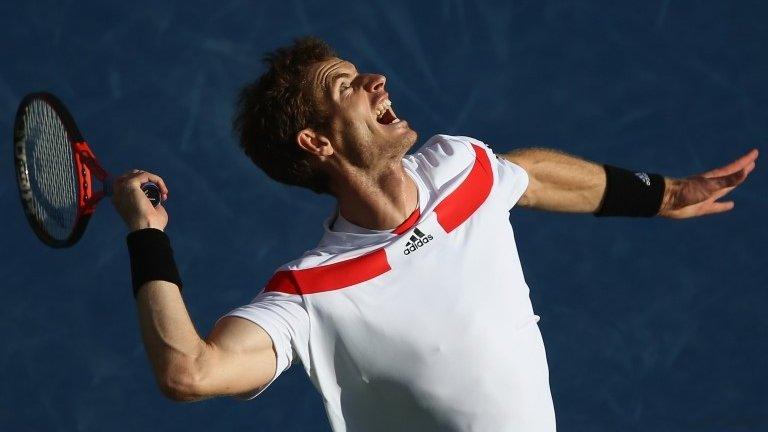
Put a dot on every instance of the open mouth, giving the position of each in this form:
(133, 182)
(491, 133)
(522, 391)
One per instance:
(384, 113)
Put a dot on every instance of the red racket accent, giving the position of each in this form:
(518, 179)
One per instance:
(87, 168)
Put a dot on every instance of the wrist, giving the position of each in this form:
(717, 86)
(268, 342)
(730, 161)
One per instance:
(151, 258)
(671, 187)
(634, 194)
(140, 225)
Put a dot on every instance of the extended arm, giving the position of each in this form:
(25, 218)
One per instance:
(237, 356)
(558, 181)
(565, 183)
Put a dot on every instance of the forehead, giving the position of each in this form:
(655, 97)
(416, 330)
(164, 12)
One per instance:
(324, 72)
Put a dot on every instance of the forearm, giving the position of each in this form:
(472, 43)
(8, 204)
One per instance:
(170, 339)
(559, 181)
(175, 350)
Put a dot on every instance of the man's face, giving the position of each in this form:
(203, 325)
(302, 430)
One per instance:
(363, 126)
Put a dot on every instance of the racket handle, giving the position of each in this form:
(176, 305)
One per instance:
(152, 192)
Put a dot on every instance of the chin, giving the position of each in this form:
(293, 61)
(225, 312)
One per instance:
(410, 138)
(407, 140)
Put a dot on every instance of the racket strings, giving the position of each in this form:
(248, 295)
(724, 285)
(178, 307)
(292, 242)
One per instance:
(52, 170)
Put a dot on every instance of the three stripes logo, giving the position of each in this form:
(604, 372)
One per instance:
(644, 178)
(417, 240)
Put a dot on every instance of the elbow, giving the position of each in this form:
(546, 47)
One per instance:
(178, 394)
(527, 159)
(179, 390)
(181, 384)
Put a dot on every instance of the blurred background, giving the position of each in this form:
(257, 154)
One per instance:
(649, 324)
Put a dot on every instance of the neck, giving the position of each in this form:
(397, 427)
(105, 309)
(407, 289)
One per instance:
(379, 200)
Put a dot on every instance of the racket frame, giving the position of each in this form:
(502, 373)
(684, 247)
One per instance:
(86, 166)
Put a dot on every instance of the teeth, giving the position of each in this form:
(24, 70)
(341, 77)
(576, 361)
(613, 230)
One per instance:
(383, 107)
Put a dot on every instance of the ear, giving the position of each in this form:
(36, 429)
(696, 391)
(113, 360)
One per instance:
(313, 142)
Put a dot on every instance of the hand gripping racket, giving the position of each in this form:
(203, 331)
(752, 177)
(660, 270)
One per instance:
(57, 171)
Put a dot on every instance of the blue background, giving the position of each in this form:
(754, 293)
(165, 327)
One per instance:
(649, 324)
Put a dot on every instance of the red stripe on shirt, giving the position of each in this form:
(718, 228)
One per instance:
(332, 276)
(469, 196)
(452, 211)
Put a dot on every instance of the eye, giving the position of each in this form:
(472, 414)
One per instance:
(344, 86)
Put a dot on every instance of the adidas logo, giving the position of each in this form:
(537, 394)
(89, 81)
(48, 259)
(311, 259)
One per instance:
(418, 239)
(644, 178)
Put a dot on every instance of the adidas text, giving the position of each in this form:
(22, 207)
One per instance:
(418, 239)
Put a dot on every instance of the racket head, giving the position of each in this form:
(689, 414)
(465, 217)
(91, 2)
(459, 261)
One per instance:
(54, 168)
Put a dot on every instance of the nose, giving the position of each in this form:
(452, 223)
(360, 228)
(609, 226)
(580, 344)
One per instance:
(375, 83)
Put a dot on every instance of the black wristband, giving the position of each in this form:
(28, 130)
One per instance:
(151, 258)
(630, 193)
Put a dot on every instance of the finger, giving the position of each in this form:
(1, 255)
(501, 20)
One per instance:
(734, 166)
(161, 184)
(142, 177)
(124, 176)
(119, 182)
(156, 180)
(720, 207)
(733, 179)
(720, 193)
(132, 174)
(750, 168)
(724, 191)
(713, 208)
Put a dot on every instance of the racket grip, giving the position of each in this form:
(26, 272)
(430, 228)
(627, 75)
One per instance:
(152, 192)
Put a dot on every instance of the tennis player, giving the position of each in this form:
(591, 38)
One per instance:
(412, 313)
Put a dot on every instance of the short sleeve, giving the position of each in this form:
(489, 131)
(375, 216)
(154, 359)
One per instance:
(285, 319)
(511, 179)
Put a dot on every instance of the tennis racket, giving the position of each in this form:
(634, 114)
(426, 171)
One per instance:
(57, 172)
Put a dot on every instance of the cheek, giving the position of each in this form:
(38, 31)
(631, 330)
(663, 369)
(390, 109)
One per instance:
(359, 129)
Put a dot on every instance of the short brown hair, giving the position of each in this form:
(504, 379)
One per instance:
(271, 110)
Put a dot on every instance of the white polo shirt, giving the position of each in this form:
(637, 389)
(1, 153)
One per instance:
(425, 328)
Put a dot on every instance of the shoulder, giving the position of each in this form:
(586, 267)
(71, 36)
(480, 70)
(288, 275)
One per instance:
(441, 149)
(442, 158)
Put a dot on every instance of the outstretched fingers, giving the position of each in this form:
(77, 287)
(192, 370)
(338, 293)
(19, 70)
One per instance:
(735, 178)
(722, 186)
(735, 166)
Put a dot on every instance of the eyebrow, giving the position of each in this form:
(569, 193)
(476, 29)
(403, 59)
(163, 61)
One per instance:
(332, 79)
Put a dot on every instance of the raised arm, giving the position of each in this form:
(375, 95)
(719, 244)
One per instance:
(558, 181)
(238, 355)
(564, 183)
